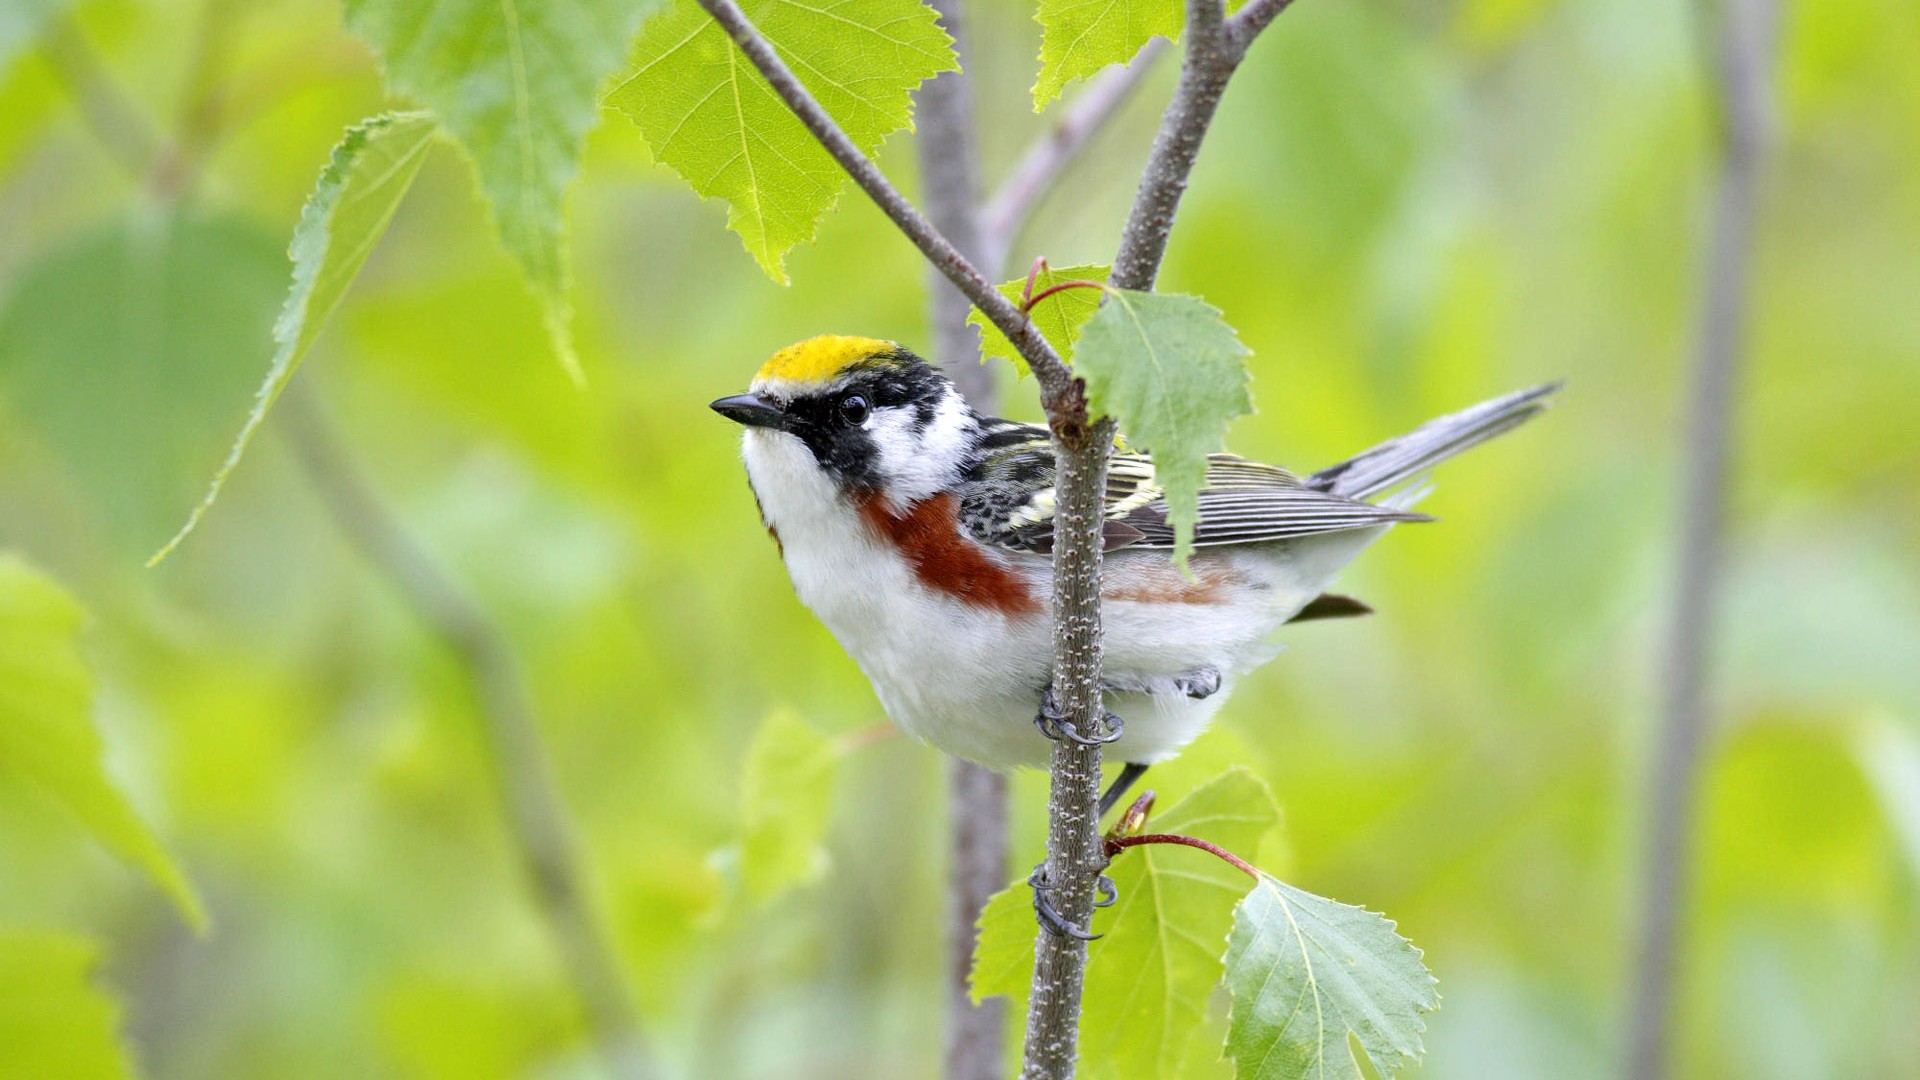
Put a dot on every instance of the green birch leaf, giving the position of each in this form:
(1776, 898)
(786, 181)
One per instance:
(1003, 952)
(47, 738)
(1079, 37)
(517, 83)
(1149, 978)
(786, 804)
(1059, 316)
(53, 1021)
(347, 214)
(1306, 972)
(1172, 372)
(707, 113)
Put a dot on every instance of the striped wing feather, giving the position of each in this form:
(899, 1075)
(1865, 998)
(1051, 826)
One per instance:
(1010, 499)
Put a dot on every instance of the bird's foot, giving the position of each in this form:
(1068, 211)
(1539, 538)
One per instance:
(1105, 892)
(1199, 683)
(1054, 723)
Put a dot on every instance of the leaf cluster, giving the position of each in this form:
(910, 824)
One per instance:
(1302, 971)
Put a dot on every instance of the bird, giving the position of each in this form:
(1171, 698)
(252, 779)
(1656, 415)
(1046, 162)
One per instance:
(920, 533)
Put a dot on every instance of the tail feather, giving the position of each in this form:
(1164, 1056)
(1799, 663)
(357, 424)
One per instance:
(1398, 460)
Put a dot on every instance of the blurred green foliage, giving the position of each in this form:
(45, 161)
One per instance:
(1403, 209)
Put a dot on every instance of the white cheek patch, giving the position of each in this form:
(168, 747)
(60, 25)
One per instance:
(920, 463)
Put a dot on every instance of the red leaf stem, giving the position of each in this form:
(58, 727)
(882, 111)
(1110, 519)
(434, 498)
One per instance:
(1119, 844)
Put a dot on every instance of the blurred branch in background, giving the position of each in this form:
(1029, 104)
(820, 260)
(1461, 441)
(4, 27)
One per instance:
(1040, 168)
(536, 818)
(976, 796)
(950, 188)
(177, 166)
(167, 167)
(1742, 36)
(110, 116)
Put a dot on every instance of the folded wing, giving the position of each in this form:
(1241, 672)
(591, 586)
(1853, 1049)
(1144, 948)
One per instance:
(1009, 499)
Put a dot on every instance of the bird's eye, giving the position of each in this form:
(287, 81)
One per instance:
(854, 409)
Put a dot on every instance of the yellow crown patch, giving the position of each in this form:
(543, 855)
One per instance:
(819, 359)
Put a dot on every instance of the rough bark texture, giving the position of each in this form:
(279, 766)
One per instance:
(1214, 47)
(976, 797)
(1204, 69)
(1744, 47)
(1074, 855)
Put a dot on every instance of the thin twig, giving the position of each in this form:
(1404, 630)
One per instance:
(976, 796)
(1214, 49)
(1247, 23)
(1040, 168)
(1743, 42)
(535, 815)
(167, 167)
(1061, 393)
(177, 166)
(115, 121)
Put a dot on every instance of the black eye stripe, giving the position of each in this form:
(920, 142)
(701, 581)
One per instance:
(842, 446)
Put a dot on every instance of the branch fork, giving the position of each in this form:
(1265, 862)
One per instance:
(1076, 853)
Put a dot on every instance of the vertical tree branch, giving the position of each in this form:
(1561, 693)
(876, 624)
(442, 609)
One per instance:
(1743, 33)
(950, 186)
(1081, 447)
(1074, 854)
(976, 796)
(1214, 48)
(977, 817)
(535, 816)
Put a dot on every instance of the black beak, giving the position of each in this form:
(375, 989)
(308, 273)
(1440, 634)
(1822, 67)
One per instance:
(753, 411)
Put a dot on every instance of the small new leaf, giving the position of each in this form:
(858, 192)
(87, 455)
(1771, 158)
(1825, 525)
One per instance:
(53, 1020)
(1173, 373)
(347, 214)
(1059, 316)
(517, 83)
(1079, 37)
(709, 115)
(1305, 972)
(47, 737)
(1149, 978)
(786, 801)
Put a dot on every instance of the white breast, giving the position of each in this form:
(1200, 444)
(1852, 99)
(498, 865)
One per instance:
(968, 679)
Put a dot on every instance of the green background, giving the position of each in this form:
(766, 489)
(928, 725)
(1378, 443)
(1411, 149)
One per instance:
(1403, 208)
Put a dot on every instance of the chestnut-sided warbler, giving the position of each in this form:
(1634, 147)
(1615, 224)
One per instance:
(920, 532)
